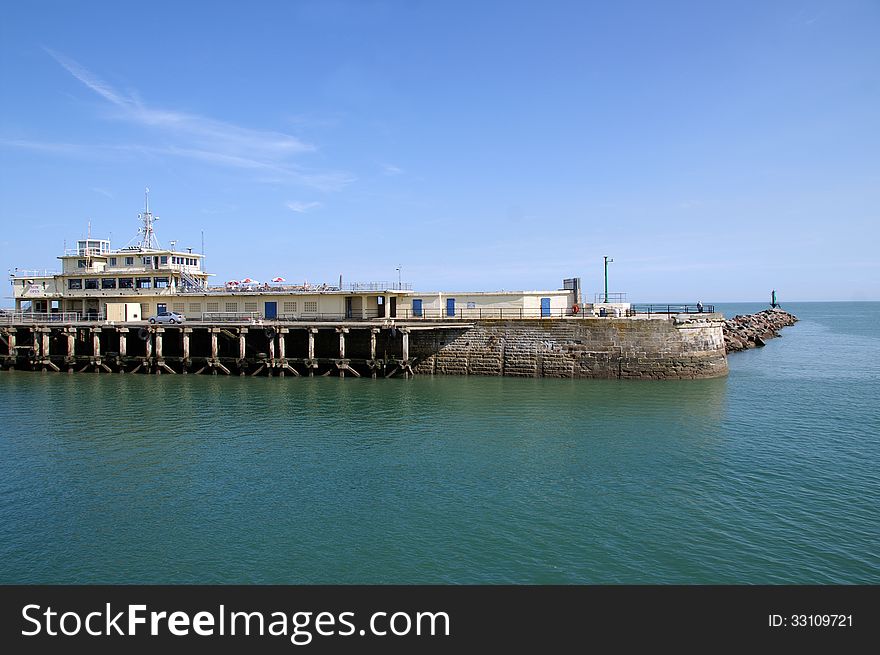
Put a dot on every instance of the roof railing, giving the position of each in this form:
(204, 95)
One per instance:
(379, 286)
(32, 272)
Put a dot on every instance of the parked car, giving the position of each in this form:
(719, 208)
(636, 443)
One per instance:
(167, 317)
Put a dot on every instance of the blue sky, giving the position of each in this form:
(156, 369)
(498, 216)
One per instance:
(715, 150)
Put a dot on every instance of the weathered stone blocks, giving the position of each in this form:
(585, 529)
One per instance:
(637, 348)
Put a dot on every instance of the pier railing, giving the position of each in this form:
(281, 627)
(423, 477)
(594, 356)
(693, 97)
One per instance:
(613, 297)
(8, 317)
(231, 317)
(12, 317)
(484, 313)
(672, 309)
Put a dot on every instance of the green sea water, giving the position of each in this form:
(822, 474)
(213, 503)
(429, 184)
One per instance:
(767, 476)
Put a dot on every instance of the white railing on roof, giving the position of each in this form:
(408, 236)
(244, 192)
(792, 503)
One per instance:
(33, 272)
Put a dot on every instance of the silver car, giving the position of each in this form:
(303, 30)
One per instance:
(167, 317)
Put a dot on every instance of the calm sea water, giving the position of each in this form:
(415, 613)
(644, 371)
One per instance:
(768, 476)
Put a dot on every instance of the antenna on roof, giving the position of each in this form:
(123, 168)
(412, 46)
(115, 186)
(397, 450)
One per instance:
(147, 232)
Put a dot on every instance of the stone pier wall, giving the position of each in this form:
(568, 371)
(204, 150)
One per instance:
(661, 348)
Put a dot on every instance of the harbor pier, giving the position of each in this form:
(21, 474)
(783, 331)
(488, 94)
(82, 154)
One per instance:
(641, 346)
(276, 349)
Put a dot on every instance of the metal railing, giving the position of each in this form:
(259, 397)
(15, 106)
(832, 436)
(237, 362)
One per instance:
(431, 314)
(232, 317)
(615, 297)
(672, 309)
(19, 273)
(379, 286)
(9, 317)
(269, 287)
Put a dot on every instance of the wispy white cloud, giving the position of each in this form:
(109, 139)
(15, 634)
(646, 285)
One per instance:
(103, 192)
(202, 138)
(391, 169)
(58, 147)
(302, 207)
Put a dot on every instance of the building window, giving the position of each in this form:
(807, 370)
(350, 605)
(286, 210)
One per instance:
(145, 309)
(108, 283)
(144, 283)
(113, 261)
(177, 307)
(80, 263)
(310, 306)
(163, 259)
(195, 308)
(161, 282)
(126, 283)
(91, 284)
(74, 284)
(129, 261)
(232, 307)
(250, 306)
(290, 307)
(213, 306)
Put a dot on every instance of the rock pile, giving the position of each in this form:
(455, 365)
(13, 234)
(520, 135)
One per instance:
(751, 330)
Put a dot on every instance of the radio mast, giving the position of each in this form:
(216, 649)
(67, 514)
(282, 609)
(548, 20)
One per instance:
(147, 232)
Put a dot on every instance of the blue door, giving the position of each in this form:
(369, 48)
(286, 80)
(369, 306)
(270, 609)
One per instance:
(545, 307)
(417, 307)
(450, 306)
(271, 310)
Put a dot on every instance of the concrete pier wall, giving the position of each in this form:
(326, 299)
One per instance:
(657, 348)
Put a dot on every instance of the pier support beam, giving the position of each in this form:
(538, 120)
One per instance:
(96, 343)
(374, 365)
(96, 359)
(185, 349)
(160, 357)
(405, 364)
(311, 362)
(71, 349)
(123, 347)
(342, 364)
(214, 350)
(45, 343)
(160, 334)
(5, 337)
(282, 353)
(242, 350)
(148, 349)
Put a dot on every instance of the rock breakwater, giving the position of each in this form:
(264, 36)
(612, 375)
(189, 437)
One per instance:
(752, 330)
